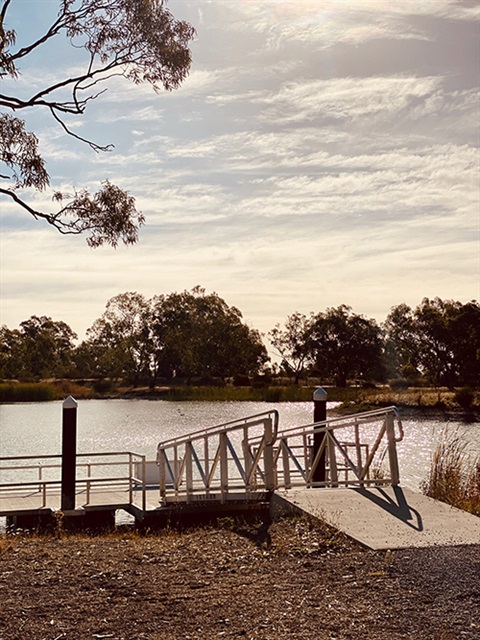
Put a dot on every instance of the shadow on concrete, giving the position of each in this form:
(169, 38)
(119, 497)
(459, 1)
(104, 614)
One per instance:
(397, 506)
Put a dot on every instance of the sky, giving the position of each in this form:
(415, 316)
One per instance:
(321, 152)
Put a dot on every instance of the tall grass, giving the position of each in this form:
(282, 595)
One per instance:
(41, 391)
(27, 392)
(454, 477)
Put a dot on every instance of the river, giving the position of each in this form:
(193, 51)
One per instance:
(138, 425)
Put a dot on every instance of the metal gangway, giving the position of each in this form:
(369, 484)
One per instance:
(241, 459)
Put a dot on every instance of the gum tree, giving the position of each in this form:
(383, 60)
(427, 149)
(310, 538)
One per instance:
(119, 341)
(137, 39)
(439, 339)
(199, 334)
(41, 348)
(346, 345)
(292, 343)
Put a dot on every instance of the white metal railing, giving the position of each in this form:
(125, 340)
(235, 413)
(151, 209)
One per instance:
(218, 461)
(252, 455)
(356, 450)
(41, 475)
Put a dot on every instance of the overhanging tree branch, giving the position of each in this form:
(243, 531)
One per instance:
(109, 216)
(91, 144)
(137, 39)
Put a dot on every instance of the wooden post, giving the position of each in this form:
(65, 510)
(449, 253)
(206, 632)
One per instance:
(319, 415)
(69, 453)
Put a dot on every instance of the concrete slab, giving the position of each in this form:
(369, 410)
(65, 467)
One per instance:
(384, 517)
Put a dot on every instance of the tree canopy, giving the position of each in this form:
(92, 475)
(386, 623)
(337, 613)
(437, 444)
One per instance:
(41, 348)
(198, 334)
(346, 345)
(137, 39)
(439, 339)
(293, 344)
(184, 335)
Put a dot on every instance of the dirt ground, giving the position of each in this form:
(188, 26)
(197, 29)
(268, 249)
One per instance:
(297, 580)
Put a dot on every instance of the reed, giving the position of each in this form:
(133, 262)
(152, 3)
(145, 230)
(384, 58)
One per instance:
(27, 392)
(41, 391)
(454, 477)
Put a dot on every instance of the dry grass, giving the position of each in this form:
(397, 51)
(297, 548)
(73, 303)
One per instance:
(295, 579)
(454, 477)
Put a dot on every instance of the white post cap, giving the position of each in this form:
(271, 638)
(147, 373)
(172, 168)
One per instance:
(70, 403)
(319, 395)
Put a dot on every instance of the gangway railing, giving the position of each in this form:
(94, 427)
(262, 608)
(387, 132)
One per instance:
(95, 472)
(356, 450)
(218, 462)
(252, 455)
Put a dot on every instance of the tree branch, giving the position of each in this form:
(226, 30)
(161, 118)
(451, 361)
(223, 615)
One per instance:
(92, 145)
(4, 10)
(51, 218)
(56, 27)
(109, 215)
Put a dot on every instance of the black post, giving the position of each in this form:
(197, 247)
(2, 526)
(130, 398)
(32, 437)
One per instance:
(69, 453)
(319, 415)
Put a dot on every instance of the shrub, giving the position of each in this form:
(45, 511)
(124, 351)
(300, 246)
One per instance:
(103, 386)
(398, 384)
(464, 398)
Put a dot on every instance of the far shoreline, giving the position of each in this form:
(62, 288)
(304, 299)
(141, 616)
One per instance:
(411, 401)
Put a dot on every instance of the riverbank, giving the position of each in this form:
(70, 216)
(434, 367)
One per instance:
(427, 400)
(296, 580)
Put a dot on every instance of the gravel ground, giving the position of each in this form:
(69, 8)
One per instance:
(297, 580)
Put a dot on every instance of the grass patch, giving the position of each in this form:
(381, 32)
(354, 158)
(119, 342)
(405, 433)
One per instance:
(454, 477)
(354, 399)
(41, 391)
(27, 392)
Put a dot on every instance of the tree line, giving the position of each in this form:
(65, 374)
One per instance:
(194, 336)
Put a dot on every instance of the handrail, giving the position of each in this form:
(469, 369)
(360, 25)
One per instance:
(242, 456)
(338, 422)
(353, 449)
(221, 427)
(223, 465)
(97, 454)
(128, 479)
(341, 468)
(99, 479)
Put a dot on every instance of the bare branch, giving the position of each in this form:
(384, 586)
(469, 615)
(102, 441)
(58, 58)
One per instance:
(91, 144)
(3, 13)
(19, 201)
(56, 27)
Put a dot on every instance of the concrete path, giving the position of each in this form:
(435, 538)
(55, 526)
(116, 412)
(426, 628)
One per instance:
(384, 518)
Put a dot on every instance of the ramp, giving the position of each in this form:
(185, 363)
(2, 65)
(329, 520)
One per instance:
(384, 517)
